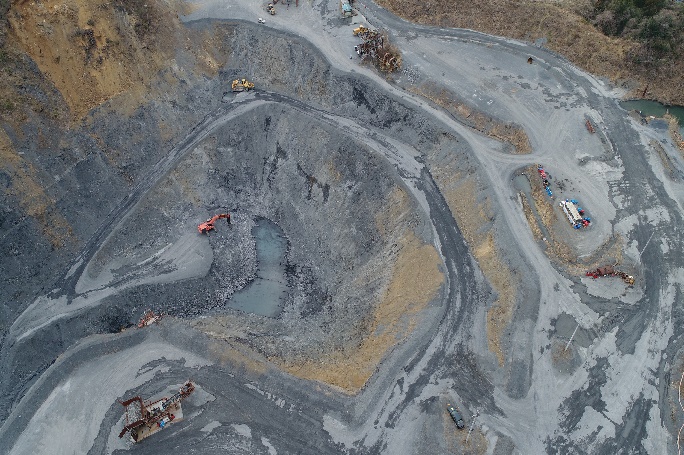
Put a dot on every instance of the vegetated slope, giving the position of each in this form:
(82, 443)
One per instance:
(639, 44)
(93, 50)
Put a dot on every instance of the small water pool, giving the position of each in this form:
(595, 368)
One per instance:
(654, 108)
(265, 294)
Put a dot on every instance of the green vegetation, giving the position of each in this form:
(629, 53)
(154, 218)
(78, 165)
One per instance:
(4, 8)
(6, 105)
(656, 25)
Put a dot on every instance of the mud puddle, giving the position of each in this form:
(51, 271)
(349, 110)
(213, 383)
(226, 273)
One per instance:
(264, 295)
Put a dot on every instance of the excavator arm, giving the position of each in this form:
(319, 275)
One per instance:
(208, 225)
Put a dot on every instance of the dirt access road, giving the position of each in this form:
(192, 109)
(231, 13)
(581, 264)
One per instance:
(615, 394)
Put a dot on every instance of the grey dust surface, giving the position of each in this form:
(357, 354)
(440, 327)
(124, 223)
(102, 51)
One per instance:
(319, 165)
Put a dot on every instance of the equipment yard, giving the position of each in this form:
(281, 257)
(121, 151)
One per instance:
(394, 258)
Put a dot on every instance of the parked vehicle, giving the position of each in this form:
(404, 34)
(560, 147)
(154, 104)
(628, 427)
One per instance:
(453, 412)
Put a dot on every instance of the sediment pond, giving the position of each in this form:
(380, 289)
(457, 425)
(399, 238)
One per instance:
(656, 109)
(264, 295)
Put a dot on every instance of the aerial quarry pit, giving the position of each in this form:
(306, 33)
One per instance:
(320, 250)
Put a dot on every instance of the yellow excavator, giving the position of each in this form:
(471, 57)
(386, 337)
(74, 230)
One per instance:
(241, 85)
(359, 30)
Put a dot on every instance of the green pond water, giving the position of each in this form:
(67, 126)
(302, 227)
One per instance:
(655, 109)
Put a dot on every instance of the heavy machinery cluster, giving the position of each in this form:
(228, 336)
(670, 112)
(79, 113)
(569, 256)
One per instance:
(376, 47)
(570, 207)
(575, 213)
(144, 418)
(545, 180)
(609, 270)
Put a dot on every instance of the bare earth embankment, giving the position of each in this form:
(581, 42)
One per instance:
(560, 27)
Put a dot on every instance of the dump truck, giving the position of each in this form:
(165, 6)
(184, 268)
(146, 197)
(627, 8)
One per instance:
(346, 8)
(242, 85)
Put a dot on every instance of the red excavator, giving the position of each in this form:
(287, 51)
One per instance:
(209, 224)
(609, 270)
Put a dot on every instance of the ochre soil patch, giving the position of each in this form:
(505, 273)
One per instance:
(395, 213)
(34, 201)
(235, 354)
(565, 30)
(477, 443)
(474, 217)
(474, 220)
(416, 278)
(94, 50)
(509, 133)
(227, 348)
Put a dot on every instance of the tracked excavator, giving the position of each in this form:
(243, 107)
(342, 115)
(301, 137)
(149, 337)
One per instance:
(242, 85)
(360, 30)
(209, 224)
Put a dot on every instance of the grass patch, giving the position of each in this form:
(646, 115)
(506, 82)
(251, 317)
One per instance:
(567, 29)
(511, 134)
(6, 105)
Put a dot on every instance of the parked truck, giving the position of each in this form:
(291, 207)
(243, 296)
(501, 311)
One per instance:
(346, 8)
(458, 419)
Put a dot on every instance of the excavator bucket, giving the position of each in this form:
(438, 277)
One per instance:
(208, 225)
